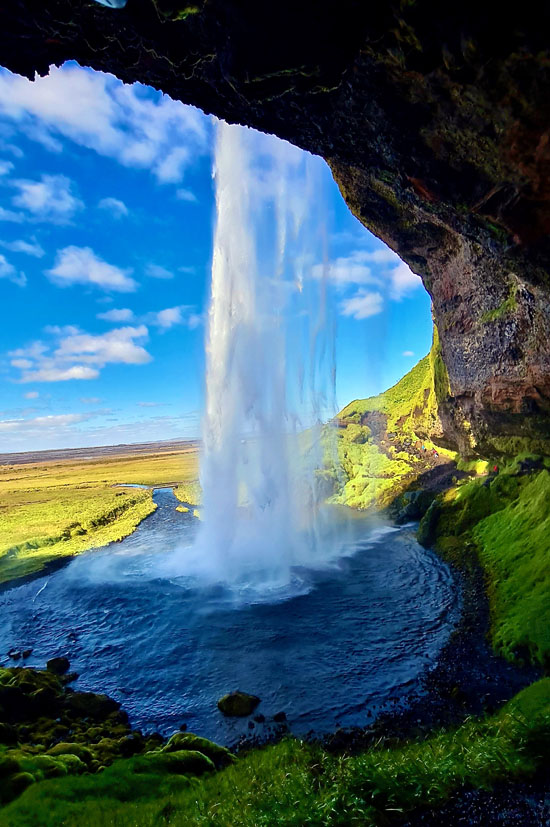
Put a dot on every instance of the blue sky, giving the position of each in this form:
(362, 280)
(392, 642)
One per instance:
(106, 223)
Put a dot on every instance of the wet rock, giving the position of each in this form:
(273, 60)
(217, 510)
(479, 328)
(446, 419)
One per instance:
(27, 653)
(260, 719)
(131, 745)
(14, 654)
(58, 665)
(188, 741)
(279, 717)
(238, 704)
(90, 705)
(428, 524)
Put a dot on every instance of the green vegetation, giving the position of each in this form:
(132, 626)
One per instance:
(295, 783)
(507, 306)
(54, 510)
(505, 522)
(379, 439)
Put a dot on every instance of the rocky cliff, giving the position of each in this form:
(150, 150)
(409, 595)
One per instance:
(434, 120)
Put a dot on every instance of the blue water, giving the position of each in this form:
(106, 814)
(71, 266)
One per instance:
(360, 637)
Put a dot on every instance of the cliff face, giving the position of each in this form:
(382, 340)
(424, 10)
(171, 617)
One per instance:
(435, 122)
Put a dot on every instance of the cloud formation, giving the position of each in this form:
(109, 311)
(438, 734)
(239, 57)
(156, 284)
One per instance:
(29, 248)
(50, 199)
(133, 124)
(362, 305)
(156, 271)
(79, 355)
(80, 265)
(8, 271)
(124, 314)
(115, 206)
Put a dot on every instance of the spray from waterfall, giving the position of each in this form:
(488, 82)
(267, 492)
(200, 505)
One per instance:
(270, 375)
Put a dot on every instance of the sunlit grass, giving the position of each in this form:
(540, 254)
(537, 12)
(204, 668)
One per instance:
(57, 509)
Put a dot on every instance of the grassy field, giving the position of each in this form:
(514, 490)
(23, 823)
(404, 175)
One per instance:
(295, 783)
(56, 509)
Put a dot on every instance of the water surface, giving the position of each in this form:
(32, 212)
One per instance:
(361, 635)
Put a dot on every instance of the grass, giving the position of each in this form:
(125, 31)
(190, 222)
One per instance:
(58, 509)
(505, 521)
(377, 467)
(296, 784)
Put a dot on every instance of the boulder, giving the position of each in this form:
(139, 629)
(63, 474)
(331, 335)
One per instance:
(184, 741)
(185, 762)
(58, 665)
(238, 704)
(90, 705)
(83, 753)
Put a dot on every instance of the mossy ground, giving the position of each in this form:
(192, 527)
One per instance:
(54, 510)
(504, 520)
(384, 443)
(297, 783)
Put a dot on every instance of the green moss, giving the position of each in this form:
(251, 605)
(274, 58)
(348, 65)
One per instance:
(509, 305)
(295, 783)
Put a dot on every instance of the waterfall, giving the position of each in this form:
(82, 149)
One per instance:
(270, 366)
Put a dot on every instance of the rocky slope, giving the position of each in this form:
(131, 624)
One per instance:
(435, 121)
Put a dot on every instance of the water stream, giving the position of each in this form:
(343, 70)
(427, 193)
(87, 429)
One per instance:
(358, 639)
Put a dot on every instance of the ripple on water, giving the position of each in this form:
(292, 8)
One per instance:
(349, 640)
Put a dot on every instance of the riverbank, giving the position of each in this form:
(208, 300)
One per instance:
(53, 510)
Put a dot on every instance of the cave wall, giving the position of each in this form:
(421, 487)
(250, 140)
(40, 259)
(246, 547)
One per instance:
(435, 120)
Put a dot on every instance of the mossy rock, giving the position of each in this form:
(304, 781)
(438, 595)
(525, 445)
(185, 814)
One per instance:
(72, 763)
(238, 704)
(188, 741)
(14, 785)
(90, 705)
(184, 762)
(81, 752)
(48, 766)
(426, 533)
(8, 766)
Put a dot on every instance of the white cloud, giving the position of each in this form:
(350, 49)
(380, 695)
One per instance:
(79, 355)
(42, 422)
(362, 305)
(117, 208)
(50, 199)
(408, 353)
(156, 271)
(186, 195)
(124, 314)
(169, 317)
(150, 404)
(54, 374)
(8, 271)
(403, 281)
(31, 395)
(10, 215)
(90, 400)
(133, 124)
(27, 247)
(5, 167)
(80, 265)
(115, 346)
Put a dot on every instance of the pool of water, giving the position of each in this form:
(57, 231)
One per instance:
(336, 654)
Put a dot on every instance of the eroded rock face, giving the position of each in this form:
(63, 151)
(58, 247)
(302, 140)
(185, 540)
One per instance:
(434, 120)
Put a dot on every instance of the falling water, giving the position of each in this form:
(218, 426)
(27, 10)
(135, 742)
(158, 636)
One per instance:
(270, 367)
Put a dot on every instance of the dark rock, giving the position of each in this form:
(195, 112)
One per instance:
(58, 665)
(14, 654)
(27, 653)
(90, 705)
(238, 704)
(279, 717)
(183, 727)
(8, 734)
(260, 719)
(426, 533)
